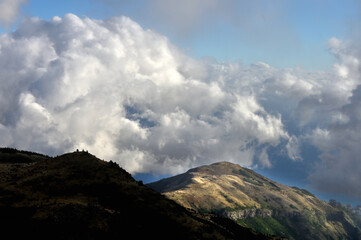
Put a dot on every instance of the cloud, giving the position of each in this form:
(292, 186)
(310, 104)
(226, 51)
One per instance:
(127, 94)
(317, 108)
(9, 10)
(293, 148)
(339, 140)
(340, 169)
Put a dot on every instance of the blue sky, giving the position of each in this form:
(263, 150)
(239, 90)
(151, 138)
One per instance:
(271, 85)
(284, 34)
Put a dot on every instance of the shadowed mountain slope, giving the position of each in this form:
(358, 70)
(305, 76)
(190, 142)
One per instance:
(78, 196)
(257, 202)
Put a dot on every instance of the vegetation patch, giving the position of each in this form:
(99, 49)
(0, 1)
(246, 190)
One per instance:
(266, 225)
(253, 181)
(228, 199)
(12, 155)
(303, 191)
(243, 172)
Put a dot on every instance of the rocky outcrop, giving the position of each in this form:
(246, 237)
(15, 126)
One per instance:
(257, 212)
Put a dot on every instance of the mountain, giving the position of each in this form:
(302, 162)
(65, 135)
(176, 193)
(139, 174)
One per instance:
(78, 196)
(254, 201)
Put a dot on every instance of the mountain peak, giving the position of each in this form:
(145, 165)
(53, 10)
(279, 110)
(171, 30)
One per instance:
(218, 168)
(227, 168)
(216, 171)
(255, 201)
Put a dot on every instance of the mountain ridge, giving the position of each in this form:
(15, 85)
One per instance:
(255, 201)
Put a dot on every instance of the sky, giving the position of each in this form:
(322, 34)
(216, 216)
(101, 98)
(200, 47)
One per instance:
(162, 86)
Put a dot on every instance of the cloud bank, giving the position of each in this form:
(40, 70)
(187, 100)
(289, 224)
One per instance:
(127, 94)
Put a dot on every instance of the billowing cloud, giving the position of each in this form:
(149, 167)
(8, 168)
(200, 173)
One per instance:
(317, 108)
(127, 94)
(339, 141)
(9, 10)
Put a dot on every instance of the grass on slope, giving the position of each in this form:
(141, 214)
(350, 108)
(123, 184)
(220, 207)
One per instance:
(268, 225)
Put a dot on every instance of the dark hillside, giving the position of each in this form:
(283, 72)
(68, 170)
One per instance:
(78, 196)
(11, 155)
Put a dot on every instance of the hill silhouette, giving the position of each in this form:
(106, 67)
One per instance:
(78, 196)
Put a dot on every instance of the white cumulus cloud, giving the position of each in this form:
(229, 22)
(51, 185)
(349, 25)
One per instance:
(127, 94)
